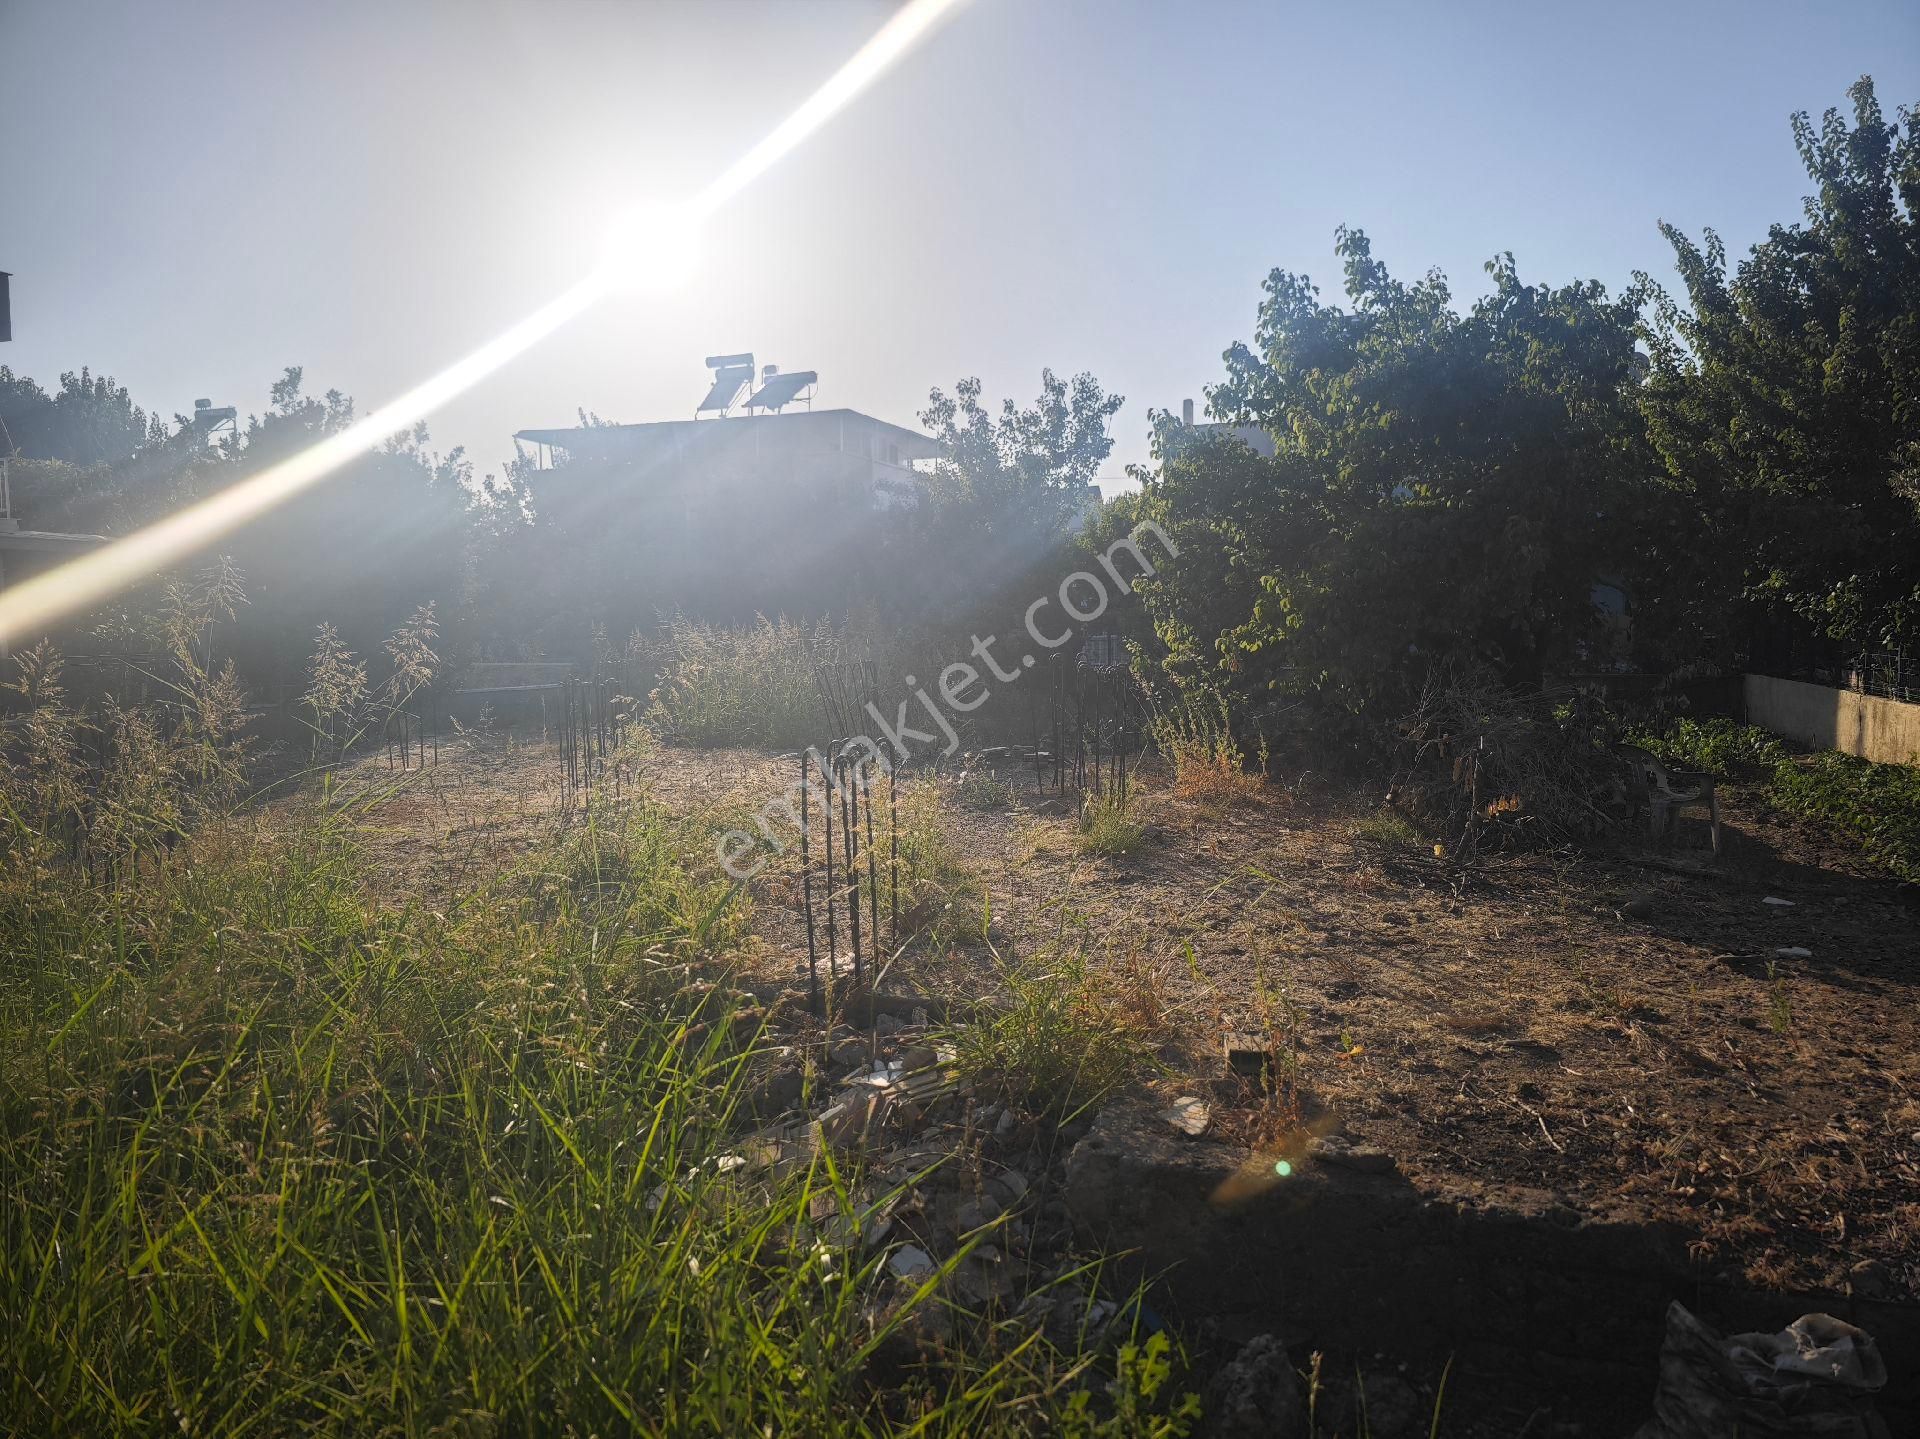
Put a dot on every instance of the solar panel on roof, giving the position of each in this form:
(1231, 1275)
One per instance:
(780, 389)
(728, 382)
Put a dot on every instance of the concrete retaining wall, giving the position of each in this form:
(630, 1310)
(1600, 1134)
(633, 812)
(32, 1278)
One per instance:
(1883, 730)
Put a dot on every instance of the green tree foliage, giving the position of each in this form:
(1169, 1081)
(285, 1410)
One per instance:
(1785, 398)
(1021, 471)
(90, 420)
(1444, 483)
(1011, 488)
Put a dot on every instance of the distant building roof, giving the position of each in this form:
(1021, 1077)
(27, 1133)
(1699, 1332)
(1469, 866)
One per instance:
(686, 433)
(47, 540)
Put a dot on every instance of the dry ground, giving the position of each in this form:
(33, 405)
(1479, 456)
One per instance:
(1515, 1023)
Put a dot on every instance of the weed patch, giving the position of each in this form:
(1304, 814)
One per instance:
(1196, 739)
(1879, 804)
(748, 686)
(1717, 746)
(1387, 830)
(1109, 826)
(1058, 1046)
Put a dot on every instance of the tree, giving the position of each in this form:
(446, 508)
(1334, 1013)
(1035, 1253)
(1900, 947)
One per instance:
(1443, 484)
(89, 421)
(1785, 399)
(1009, 489)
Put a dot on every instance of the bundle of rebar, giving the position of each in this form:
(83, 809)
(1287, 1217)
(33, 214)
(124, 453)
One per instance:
(591, 728)
(843, 775)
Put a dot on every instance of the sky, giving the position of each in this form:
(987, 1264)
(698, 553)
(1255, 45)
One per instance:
(196, 195)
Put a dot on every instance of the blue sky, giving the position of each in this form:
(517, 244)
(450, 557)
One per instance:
(195, 195)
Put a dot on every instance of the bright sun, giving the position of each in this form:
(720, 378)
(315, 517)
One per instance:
(651, 250)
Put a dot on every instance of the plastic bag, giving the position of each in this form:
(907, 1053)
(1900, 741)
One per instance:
(1812, 1378)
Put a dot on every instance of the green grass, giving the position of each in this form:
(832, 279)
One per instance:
(940, 895)
(1109, 826)
(978, 789)
(1388, 829)
(279, 1159)
(1057, 1046)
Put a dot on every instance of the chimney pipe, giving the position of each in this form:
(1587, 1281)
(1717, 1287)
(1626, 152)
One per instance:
(1186, 412)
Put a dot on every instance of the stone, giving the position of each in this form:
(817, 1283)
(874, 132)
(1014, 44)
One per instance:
(1189, 1115)
(910, 1262)
(919, 1056)
(1247, 1053)
(1776, 902)
(1256, 1395)
(976, 1214)
(1391, 1407)
(1868, 1280)
(1641, 904)
(778, 1092)
(1793, 951)
(847, 1054)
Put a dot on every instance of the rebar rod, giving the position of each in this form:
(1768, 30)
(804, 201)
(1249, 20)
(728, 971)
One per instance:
(850, 831)
(806, 885)
(826, 803)
(893, 842)
(873, 878)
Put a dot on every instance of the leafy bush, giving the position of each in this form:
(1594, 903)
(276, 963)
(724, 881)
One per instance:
(1878, 803)
(1718, 746)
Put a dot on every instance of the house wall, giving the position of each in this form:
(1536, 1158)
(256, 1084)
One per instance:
(1883, 730)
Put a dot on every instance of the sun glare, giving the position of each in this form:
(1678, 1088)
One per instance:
(650, 249)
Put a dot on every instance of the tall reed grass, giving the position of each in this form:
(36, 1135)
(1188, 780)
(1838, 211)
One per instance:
(749, 686)
(278, 1158)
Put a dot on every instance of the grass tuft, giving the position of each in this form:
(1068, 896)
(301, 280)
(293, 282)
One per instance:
(1058, 1046)
(1109, 826)
(1388, 829)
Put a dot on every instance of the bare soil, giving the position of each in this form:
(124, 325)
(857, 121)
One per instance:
(1619, 1028)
